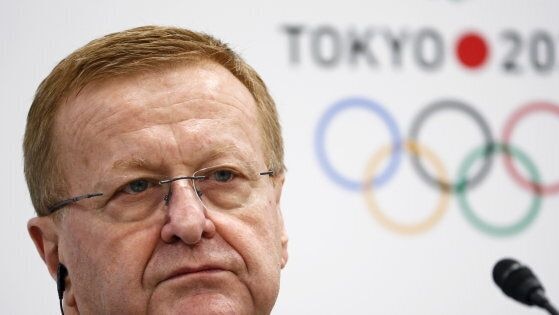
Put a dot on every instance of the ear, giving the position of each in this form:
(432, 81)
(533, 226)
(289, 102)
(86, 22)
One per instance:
(284, 239)
(44, 233)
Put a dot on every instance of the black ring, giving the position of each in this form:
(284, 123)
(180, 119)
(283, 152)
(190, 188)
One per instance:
(479, 120)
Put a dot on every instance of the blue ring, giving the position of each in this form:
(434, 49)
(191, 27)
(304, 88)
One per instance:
(363, 103)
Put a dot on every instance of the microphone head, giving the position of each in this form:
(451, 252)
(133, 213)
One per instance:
(516, 280)
(61, 274)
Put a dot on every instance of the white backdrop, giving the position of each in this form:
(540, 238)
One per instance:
(343, 260)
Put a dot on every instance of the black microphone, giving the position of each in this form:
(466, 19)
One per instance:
(61, 274)
(519, 282)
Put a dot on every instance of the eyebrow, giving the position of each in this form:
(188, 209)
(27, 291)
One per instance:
(220, 151)
(140, 163)
(132, 163)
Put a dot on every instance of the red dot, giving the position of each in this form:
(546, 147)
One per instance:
(472, 50)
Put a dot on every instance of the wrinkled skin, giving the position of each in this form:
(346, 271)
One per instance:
(183, 258)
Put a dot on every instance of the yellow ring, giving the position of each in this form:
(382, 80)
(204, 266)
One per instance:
(415, 228)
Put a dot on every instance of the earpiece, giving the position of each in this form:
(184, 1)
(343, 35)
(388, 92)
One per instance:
(61, 274)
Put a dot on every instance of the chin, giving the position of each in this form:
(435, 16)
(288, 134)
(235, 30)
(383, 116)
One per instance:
(202, 303)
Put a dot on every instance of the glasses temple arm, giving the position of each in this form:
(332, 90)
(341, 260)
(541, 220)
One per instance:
(61, 204)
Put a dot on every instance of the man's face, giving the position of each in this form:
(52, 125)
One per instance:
(182, 258)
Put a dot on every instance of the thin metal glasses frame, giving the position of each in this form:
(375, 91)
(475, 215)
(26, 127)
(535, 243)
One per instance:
(66, 202)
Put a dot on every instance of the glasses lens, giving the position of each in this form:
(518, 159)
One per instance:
(136, 201)
(218, 188)
(224, 187)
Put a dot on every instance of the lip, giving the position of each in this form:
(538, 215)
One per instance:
(187, 271)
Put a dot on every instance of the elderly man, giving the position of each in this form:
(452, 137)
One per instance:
(154, 161)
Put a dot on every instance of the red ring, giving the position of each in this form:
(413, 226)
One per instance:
(537, 188)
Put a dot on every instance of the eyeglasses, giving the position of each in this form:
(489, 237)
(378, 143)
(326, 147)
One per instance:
(222, 187)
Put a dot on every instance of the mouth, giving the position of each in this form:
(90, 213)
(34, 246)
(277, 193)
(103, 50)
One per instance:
(195, 271)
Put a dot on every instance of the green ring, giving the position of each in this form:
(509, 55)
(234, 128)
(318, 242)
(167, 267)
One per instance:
(493, 229)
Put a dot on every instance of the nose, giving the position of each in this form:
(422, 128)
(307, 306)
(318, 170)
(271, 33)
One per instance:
(187, 218)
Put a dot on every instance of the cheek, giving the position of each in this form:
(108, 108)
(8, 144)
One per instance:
(255, 235)
(107, 260)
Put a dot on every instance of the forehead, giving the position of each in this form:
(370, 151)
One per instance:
(189, 106)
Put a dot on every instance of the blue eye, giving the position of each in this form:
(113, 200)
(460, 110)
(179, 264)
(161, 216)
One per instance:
(222, 175)
(137, 186)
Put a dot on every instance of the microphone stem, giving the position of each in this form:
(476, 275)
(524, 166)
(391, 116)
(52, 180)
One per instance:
(550, 308)
(62, 309)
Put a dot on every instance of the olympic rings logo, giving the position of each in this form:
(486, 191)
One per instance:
(374, 178)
